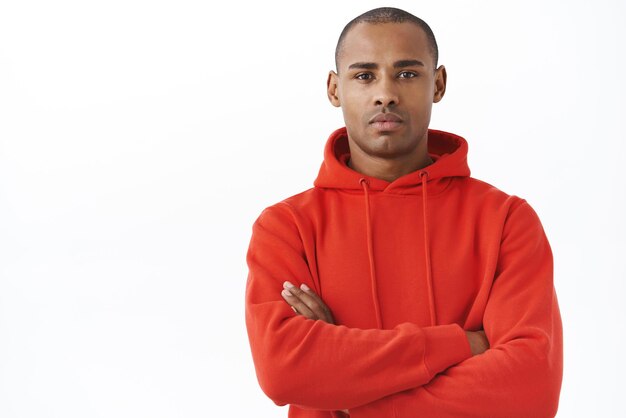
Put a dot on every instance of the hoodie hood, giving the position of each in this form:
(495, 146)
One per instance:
(448, 151)
(449, 154)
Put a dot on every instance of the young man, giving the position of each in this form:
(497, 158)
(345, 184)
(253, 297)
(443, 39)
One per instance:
(399, 286)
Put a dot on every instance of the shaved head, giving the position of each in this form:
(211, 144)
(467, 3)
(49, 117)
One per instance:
(388, 15)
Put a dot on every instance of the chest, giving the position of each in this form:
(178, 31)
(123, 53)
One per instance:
(384, 259)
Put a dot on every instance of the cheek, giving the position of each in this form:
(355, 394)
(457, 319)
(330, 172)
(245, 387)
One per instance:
(421, 118)
(421, 104)
(355, 96)
(352, 108)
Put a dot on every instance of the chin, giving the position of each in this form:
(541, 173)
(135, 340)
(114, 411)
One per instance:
(390, 149)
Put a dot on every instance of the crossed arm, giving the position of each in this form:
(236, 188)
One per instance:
(407, 371)
(307, 303)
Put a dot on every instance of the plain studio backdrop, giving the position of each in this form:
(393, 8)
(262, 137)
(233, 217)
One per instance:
(140, 140)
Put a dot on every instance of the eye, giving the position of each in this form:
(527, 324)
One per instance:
(364, 76)
(407, 74)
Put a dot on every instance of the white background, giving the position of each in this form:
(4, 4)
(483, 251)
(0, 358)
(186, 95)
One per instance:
(139, 140)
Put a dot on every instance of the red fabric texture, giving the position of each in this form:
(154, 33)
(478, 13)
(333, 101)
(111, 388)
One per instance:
(405, 268)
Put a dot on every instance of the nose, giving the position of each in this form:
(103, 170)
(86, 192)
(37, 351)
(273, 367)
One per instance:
(386, 95)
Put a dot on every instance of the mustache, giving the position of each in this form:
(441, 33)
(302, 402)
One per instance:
(385, 116)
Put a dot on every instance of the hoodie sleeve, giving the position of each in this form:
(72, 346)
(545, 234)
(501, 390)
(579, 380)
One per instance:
(316, 365)
(520, 375)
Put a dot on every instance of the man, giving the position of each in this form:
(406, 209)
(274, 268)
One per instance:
(399, 286)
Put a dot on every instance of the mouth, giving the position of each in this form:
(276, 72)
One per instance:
(386, 122)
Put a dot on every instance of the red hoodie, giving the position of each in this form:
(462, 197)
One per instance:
(405, 268)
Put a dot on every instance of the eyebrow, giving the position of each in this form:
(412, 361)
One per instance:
(397, 64)
(408, 63)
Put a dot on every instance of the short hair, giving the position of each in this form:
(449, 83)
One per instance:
(389, 15)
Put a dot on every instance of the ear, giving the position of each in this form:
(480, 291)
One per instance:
(331, 88)
(441, 78)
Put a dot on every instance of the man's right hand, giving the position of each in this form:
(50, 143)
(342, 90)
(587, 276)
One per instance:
(478, 341)
(307, 303)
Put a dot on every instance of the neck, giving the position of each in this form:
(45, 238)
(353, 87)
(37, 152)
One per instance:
(388, 169)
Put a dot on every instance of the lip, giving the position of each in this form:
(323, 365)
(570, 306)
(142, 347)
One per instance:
(386, 117)
(386, 122)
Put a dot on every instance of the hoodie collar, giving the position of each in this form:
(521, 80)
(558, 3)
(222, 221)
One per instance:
(448, 151)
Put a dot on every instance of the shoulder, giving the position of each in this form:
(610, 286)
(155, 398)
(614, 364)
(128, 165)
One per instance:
(288, 209)
(496, 206)
(518, 213)
(487, 195)
(513, 203)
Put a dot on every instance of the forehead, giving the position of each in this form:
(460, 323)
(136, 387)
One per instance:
(383, 43)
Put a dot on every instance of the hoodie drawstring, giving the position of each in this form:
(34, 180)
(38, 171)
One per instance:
(429, 276)
(370, 254)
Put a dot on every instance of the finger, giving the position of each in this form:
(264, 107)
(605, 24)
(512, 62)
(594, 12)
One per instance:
(297, 305)
(485, 339)
(308, 299)
(315, 304)
(320, 302)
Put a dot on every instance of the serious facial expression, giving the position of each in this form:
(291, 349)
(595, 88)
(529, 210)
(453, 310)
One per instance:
(386, 85)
